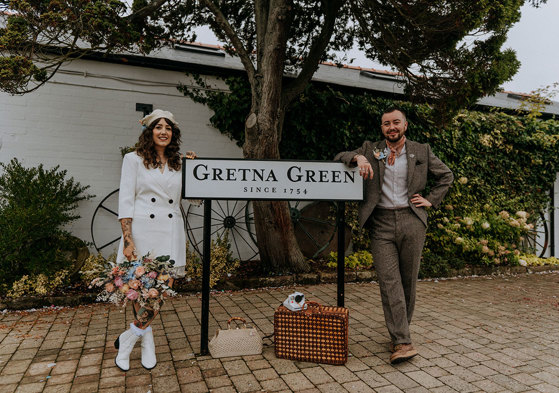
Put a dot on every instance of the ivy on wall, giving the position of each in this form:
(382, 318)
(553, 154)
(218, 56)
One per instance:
(502, 164)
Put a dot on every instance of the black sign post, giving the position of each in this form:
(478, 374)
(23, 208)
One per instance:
(340, 224)
(206, 257)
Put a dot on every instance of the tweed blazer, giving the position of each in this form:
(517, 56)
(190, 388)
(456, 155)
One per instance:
(421, 164)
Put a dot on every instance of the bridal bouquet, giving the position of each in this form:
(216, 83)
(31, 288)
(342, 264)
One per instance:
(145, 281)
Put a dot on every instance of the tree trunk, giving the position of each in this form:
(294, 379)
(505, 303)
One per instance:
(277, 245)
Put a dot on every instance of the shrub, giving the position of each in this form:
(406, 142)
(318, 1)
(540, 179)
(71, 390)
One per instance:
(38, 285)
(222, 263)
(35, 204)
(481, 238)
(532, 260)
(358, 260)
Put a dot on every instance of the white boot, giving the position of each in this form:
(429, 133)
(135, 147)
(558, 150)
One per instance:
(148, 349)
(125, 343)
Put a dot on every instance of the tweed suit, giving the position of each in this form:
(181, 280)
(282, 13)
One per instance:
(397, 236)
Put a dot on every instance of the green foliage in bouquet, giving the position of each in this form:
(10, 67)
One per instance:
(222, 263)
(35, 205)
(94, 265)
(145, 281)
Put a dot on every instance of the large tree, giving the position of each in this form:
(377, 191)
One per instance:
(447, 51)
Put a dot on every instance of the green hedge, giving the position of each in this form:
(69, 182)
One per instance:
(501, 163)
(35, 206)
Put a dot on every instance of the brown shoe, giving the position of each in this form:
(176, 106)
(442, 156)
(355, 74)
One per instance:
(402, 352)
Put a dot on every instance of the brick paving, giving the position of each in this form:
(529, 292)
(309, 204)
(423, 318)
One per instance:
(483, 334)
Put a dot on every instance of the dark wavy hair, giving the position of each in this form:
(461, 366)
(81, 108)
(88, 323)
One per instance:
(146, 146)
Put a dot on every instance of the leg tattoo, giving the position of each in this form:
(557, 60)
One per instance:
(144, 316)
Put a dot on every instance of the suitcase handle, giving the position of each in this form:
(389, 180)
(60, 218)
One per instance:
(236, 319)
(308, 310)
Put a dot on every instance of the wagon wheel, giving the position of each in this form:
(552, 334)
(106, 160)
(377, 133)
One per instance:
(233, 217)
(105, 228)
(537, 240)
(313, 224)
(315, 227)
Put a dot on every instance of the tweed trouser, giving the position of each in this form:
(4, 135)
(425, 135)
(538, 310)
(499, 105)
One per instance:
(397, 238)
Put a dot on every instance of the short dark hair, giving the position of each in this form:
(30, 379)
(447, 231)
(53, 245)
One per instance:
(393, 108)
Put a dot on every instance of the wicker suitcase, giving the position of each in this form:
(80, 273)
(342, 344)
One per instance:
(318, 334)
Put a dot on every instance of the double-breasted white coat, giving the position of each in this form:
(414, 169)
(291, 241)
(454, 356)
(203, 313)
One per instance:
(152, 200)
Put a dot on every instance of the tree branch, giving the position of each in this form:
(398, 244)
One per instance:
(310, 65)
(261, 11)
(226, 27)
(148, 9)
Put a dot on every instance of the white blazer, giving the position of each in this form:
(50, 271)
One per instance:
(152, 200)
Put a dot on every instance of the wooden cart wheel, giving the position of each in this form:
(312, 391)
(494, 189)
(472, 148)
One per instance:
(105, 228)
(537, 240)
(315, 228)
(233, 217)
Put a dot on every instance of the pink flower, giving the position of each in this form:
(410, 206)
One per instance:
(115, 271)
(132, 294)
(109, 287)
(153, 293)
(134, 284)
(140, 270)
(152, 274)
(119, 282)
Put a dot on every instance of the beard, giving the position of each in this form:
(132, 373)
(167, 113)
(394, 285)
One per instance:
(394, 138)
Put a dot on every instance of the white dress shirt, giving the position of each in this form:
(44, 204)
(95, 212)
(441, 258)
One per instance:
(394, 194)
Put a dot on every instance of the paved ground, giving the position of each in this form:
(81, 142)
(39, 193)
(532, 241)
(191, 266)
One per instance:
(474, 335)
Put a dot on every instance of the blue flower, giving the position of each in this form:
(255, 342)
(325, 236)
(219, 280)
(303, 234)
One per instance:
(147, 282)
(379, 155)
(131, 273)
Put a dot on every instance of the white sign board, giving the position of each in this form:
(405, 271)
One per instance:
(208, 178)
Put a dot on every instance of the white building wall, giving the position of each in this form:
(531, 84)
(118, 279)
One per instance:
(86, 112)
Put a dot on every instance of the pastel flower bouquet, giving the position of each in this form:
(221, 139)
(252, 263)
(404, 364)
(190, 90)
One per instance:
(145, 281)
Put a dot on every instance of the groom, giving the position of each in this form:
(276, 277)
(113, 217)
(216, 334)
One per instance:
(395, 212)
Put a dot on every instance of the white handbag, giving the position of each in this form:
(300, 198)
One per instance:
(235, 342)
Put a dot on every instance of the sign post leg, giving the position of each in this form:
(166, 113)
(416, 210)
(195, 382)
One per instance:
(340, 221)
(206, 277)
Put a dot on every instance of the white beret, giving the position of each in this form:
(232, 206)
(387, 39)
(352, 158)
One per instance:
(157, 114)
